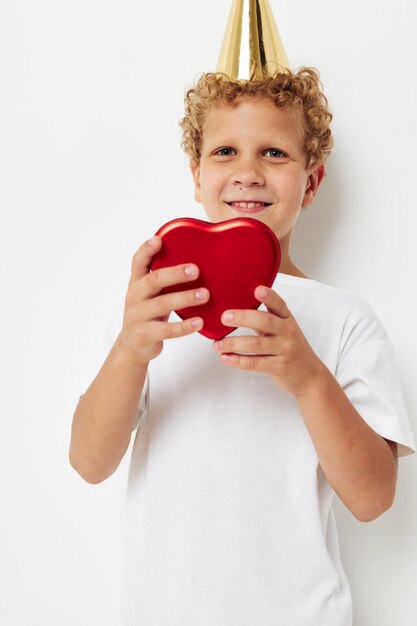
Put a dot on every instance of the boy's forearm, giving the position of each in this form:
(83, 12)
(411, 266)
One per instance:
(356, 460)
(103, 420)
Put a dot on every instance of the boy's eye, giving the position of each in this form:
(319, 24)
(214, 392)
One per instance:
(224, 151)
(275, 152)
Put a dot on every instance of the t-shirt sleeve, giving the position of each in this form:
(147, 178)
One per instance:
(367, 372)
(143, 402)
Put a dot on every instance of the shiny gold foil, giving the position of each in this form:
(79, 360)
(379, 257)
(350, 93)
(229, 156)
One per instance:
(252, 47)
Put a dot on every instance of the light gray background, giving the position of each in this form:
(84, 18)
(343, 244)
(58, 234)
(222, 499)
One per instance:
(91, 166)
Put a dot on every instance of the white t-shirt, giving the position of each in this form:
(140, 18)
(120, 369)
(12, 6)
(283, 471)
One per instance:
(229, 514)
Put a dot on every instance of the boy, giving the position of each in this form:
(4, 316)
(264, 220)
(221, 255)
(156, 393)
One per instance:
(237, 456)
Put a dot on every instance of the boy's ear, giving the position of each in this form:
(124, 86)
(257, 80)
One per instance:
(195, 170)
(314, 179)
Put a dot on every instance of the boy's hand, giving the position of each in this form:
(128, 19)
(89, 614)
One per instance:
(145, 320)
(279, 348)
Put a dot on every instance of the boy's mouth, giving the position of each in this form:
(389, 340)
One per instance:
(249, 206)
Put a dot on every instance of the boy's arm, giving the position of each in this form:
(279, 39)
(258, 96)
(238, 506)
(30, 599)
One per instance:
(360, 465)
(356, 460)
(105, 415)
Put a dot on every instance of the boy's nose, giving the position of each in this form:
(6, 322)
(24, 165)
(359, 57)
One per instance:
(248, 176)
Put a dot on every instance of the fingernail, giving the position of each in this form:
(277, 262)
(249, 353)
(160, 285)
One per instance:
(227, 317)
(190, 270)
(153, 241)
(263, 292)
(217, 345)
(200, 294)
(197, 323)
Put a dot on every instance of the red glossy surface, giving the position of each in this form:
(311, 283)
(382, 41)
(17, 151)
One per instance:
(234, 257)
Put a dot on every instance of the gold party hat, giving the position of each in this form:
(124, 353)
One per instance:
(252, 47)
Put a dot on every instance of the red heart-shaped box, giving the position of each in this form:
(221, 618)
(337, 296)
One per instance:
(233, 257)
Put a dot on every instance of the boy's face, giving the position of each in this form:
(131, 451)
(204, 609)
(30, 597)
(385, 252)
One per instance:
(252, 152)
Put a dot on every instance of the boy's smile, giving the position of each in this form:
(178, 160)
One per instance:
(252, 164)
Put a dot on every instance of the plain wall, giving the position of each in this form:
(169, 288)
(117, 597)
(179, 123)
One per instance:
(90, 166)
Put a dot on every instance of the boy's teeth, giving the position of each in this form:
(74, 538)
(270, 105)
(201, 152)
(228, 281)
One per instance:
(248, 205)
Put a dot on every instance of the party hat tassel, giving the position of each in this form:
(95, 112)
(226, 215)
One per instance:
(252, 47)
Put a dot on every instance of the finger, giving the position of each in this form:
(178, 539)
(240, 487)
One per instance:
(156, 281)
(272, 301)
(245, 362)
(160, 331)
(143, 257)
(161, 306)
(261, 321)
(242, 343)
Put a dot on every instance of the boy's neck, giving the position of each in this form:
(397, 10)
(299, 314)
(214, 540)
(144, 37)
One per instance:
(291, 269)
(286, 265)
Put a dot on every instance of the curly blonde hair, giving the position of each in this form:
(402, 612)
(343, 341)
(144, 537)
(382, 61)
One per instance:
(300, 91)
